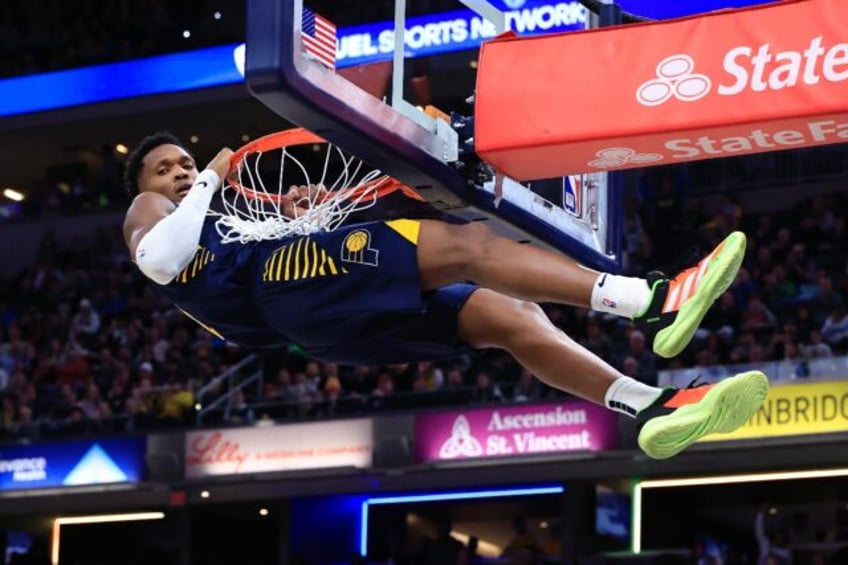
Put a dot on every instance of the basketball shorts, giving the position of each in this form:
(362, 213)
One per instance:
(353, 296)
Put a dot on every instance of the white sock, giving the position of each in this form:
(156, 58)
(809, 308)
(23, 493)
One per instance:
(629, 396)
(622, 296)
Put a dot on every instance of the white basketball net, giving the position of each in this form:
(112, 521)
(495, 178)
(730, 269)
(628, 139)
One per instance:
(254, 211)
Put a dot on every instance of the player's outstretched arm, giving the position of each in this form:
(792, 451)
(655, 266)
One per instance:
(162, 237)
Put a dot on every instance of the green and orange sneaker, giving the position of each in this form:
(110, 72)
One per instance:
(680, 417)
(680, 303)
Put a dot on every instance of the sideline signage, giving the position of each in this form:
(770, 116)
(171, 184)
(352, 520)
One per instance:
(235, 451)
(72, 463)
(515, 431)
(797, 409)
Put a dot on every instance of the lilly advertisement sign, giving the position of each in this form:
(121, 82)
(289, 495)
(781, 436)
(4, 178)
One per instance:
(72, 463)
(343, 443)
(515, 431)
(729, 83)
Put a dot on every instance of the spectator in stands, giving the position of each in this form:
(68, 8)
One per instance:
(382, 396)
(826, 299)
(444, 549)
(471, 553)
(596, 340)
(10, 411)
(333, 402)
(522, 542)
(816, 347)
(86, 322)
(485, 391)
(772, 546)
(455, 391)
(778, 290)
(361, 381)
(799, 269)
(24, 426)
(724, 318)
(76, 423)
(646, 369)
(835, 328)
(433, 375)
(527, 389)
(758, 318)
(240, 412)
(630, 367)
(285, 390)
(90, 402)
(743, 288)
(763, 261)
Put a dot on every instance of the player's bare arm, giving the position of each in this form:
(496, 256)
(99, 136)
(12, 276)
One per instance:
(145, 212)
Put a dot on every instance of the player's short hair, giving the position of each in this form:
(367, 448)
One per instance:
(134, 161)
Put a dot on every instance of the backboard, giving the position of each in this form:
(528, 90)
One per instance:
(361, 79)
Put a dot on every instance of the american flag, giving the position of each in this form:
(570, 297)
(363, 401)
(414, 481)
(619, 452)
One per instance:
(319, 38)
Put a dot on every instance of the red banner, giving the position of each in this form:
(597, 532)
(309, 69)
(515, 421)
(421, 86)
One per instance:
(718, 85)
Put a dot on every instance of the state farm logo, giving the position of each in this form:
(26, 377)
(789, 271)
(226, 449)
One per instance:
(755, 69)
(620, 156)
(675, 78)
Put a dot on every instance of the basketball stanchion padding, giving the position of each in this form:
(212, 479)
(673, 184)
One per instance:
(723, 84)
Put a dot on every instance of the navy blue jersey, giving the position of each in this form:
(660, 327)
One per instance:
(348, 296)
(215, 290)
(354, 295)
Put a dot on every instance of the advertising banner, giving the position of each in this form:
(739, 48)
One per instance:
(279, 448)
(663, 9)
(72, 463)
(425, 35)
(729, 83)
(515, 431)
(797, 409)
(445, 32)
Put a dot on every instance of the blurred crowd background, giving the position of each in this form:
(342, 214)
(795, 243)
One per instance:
(86, 344)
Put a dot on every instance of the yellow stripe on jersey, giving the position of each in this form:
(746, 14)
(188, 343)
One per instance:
(209, 329)
(408, 229)
(289, 252)
(301, 261)
(332, 266)
(272, 264)
(314, 260)
(202, 257)
(305, 273)
(321, 271)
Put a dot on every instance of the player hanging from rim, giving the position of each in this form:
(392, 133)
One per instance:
(395, 291)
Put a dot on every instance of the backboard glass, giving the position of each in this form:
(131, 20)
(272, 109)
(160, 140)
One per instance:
(369, 99)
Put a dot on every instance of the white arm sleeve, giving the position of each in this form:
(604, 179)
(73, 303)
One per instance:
(171, 244)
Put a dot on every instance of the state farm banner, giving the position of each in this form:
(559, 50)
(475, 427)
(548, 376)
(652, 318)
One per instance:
(279, 448)
(515, 431)
(723, 84)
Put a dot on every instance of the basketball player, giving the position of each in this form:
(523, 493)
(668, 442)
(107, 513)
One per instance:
(395, 291)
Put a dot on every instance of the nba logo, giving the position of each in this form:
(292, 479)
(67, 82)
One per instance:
(572, 195)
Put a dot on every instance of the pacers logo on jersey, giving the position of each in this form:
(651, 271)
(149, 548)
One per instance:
(202, 258)
(356, 248)
(299, 261)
